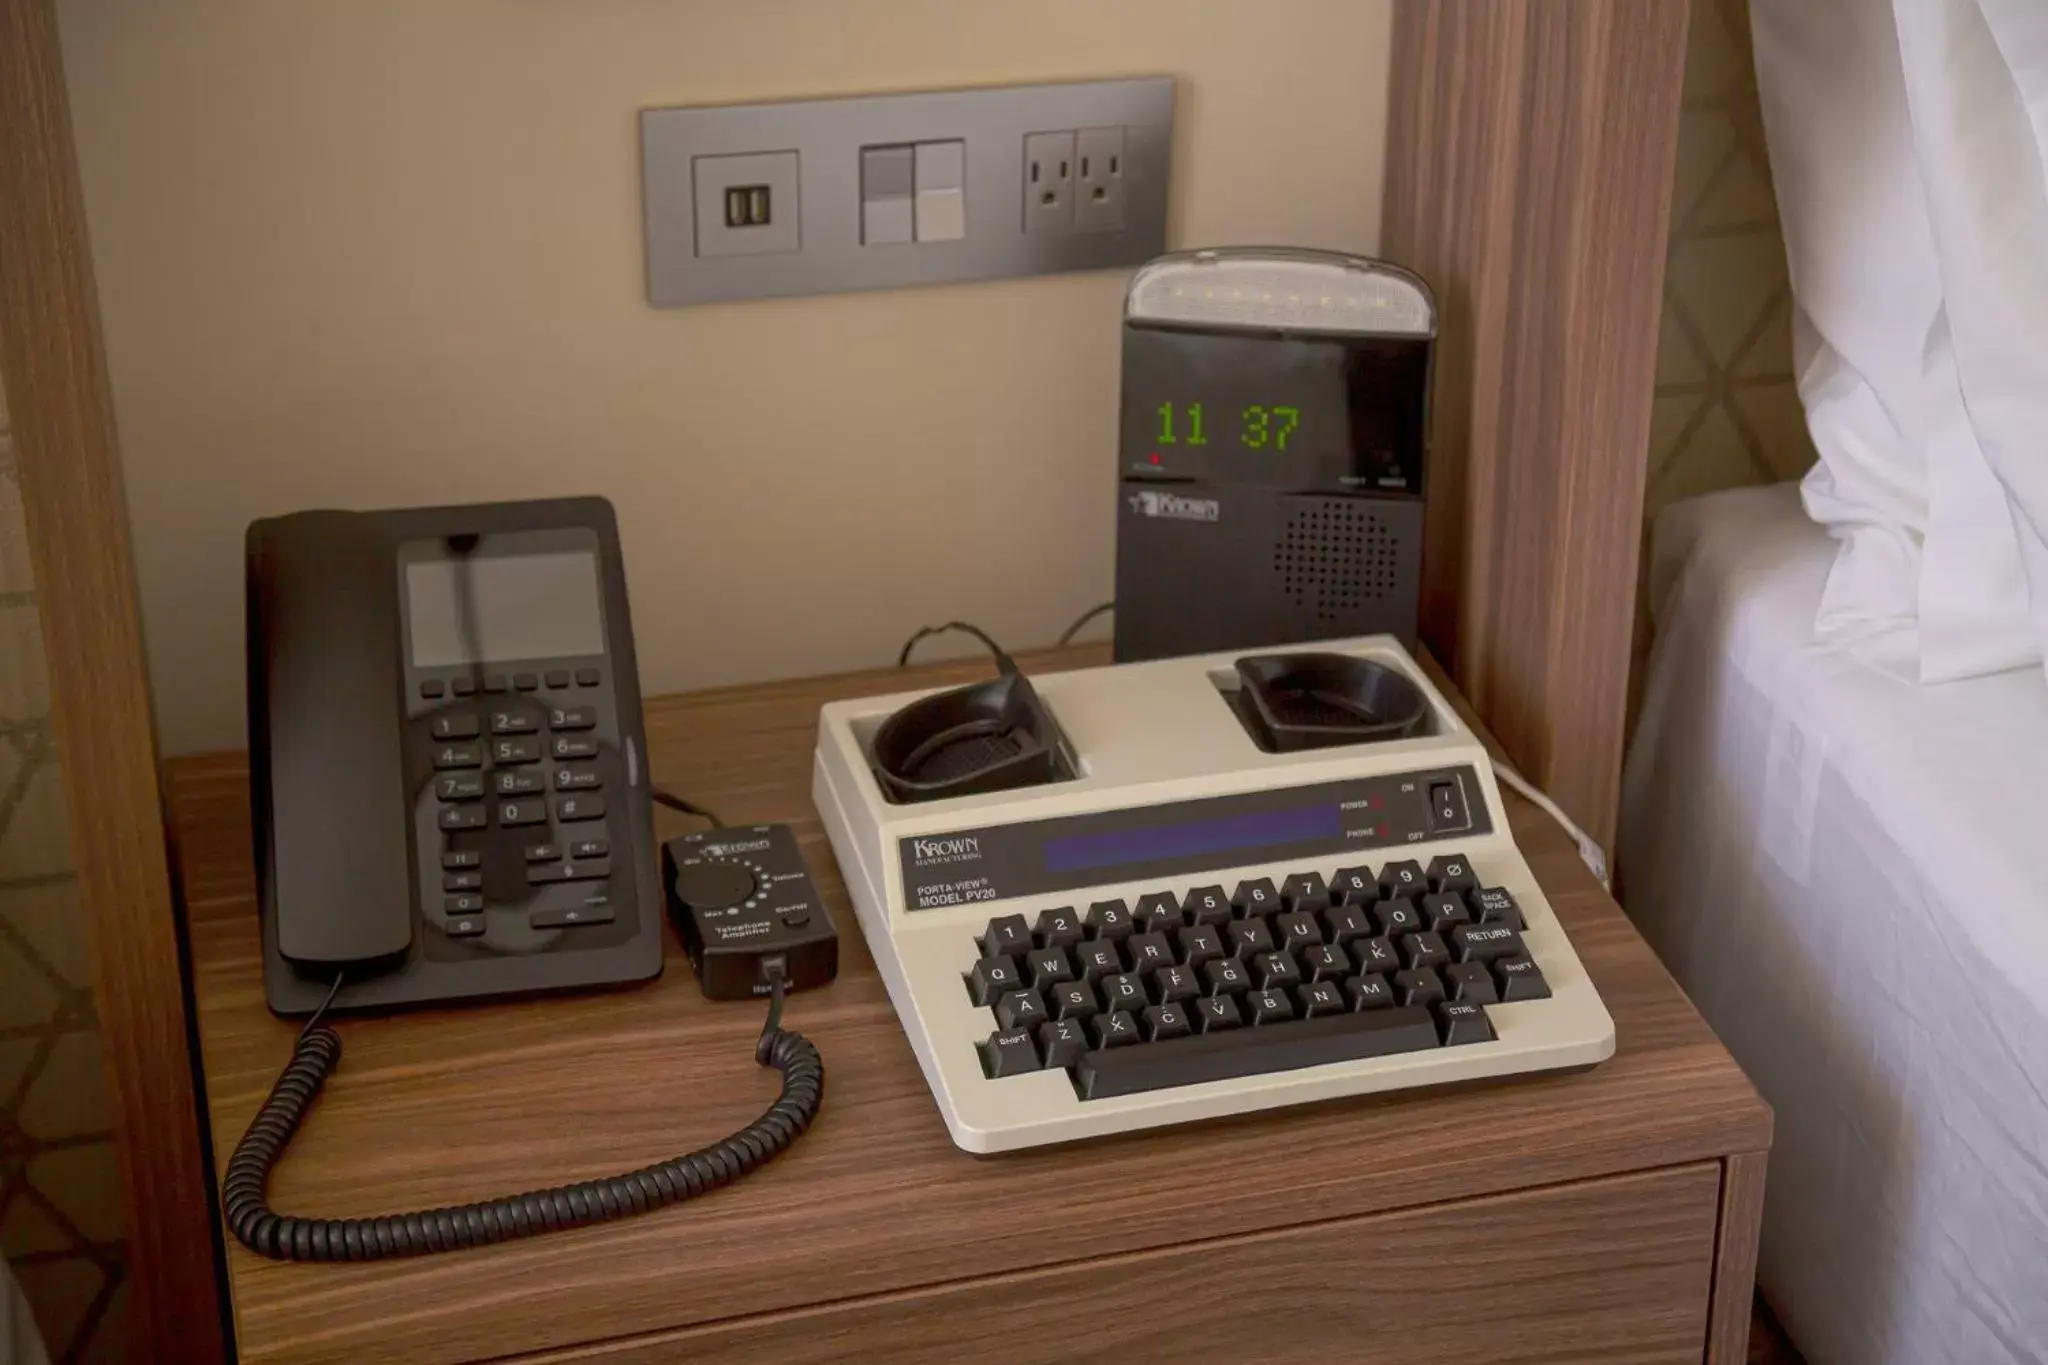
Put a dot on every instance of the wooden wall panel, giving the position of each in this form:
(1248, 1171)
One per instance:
(1530, 149)
(56, 380)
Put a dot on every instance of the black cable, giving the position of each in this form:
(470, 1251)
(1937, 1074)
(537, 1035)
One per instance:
(674, 802)
(283, 1237)
(1067, 635)
(1003, 659)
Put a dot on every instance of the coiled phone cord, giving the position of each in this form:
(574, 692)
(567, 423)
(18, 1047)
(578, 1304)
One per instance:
(283, 1237)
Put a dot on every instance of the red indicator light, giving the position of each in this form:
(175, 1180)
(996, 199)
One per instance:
(1376, 801)
(1155, 457)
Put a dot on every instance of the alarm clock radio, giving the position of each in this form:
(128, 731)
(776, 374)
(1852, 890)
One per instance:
(1274, 451)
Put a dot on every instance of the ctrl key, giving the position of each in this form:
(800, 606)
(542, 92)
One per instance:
(1008, 1053)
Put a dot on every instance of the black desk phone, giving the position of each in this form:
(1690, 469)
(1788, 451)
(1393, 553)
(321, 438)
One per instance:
(451, 803)
(451, 797)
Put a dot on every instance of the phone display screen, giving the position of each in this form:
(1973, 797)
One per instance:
(503, 608)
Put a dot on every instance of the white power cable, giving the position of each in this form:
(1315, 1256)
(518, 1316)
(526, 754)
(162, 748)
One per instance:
(1595, 857)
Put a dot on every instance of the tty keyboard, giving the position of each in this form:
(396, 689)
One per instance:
(1193, 926)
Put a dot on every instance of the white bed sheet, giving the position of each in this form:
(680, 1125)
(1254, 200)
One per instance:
(1849, 875)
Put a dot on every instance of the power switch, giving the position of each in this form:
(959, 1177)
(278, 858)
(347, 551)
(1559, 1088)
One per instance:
(1447, 811)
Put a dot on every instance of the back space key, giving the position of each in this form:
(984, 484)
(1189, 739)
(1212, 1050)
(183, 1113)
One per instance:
(1254, 1052)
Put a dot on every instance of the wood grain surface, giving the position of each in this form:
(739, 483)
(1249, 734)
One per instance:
(441, 1106)
(1598, 1271)
(1530, 150)
(55, 373)
(1742, 1225)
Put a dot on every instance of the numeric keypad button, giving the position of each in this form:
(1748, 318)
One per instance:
(1354, 886)
(1257, 896)
(1110, 920)
(1305, 891)
(1403, 878)
(1057, 928)
(1206, 905)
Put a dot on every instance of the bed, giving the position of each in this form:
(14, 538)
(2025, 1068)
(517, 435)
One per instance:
(1848, 873)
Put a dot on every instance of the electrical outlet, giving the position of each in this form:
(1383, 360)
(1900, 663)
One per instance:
(1099, 180)
(874, 191)
(1049, 182)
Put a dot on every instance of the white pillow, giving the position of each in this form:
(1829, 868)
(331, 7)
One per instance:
(1929, 571)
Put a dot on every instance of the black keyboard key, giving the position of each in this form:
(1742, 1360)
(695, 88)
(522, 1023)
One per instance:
(514, 723)
(1021, 1009)
(1485, 942)
(572, 746)
(1298, 929)
(495, 682)
(1321, 997)
(462, 857)
(570, 917)
(1158, 912)
(1005, 937)
(1459, 1022)
(1009, 1053)
(1171, 985)
(1203, 943)
(571, 809)
(515, 813)
(992, 979)
(1376, 955)
(1250, 937)
(1074, 1000)
(453, 725)
(1217, 1013)
(463, 687)
(1520, 979)
(1305, 891)
(1093, 961)
(1163, 1023)
(1418, 986)
(515, 751)
(1255, 897)
(1125, 992)
(1424, 950)
(572, 718)
(577, 779)
(1347, 922)
(1226, 976)
(1369, 993)
(516, 781)
(1218, 1055)
(1394, 918)
(1269, 1007)
(589, 870)
(1451, 872)
(543, 853)
(586, 677)
(526, 682)
(1110, 920)
(468, 903)
(430, 688)
(464, 817)
(1403, 878)
(1326, 962)
(556, 677)
(1441, 911)
(458, 756)
(1493, 905)
(459, 786)
(1114, 1030)
(1148, 952)
(1354, 886)
(1048, 967)
(1059, 928)
(1062, 1042)
(1275, 970)
(464, 926)
(1470, 982)
(1206, 905)
(589, 848)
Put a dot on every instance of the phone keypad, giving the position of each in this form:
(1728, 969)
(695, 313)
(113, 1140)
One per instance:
(531, 767)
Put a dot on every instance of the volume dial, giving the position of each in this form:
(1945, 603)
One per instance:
(713, 885)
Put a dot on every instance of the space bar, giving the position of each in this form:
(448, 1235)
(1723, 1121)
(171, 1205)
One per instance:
(1254, 1051)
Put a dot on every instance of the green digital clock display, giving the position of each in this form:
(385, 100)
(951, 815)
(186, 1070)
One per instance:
(1257, 426)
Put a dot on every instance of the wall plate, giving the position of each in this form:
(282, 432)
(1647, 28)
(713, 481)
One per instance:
(828, 138)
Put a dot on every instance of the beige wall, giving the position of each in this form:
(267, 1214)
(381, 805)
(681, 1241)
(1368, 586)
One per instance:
(378, 252)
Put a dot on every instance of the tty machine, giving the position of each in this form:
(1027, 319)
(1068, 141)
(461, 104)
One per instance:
(1157, 892)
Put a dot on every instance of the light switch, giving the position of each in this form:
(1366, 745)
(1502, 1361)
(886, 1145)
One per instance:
(887, 179)
(941, 191)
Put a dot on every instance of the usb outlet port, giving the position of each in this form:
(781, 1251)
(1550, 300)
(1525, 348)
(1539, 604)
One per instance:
(747, 206)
